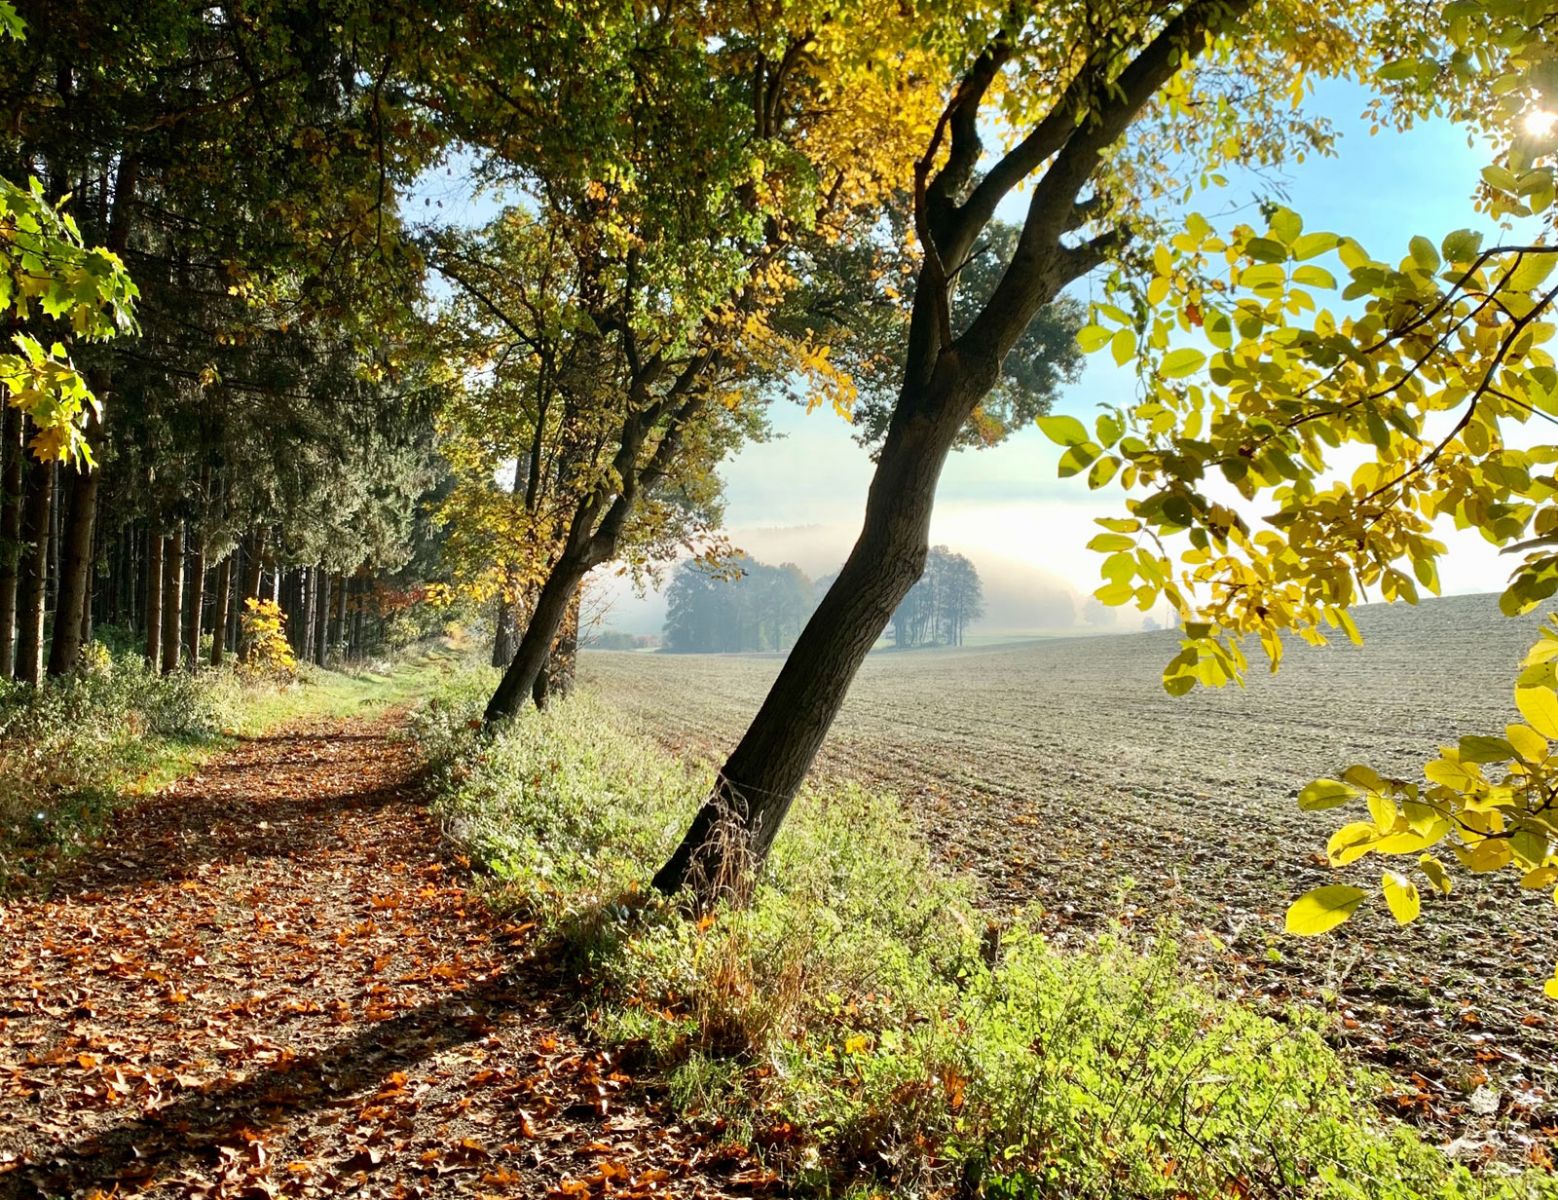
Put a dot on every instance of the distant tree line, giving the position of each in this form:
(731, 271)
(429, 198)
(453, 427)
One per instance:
(735, 605)
(940, 607)
(742, 605)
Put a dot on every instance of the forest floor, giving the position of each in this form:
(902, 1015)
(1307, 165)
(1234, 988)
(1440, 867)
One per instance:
(1061, 773)
(272, 982)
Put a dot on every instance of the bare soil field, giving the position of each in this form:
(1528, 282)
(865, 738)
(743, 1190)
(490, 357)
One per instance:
(1060, 773)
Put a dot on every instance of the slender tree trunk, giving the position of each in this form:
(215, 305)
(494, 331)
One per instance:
(323, 617)
(75, 567)
(731, 835)
(343, 585)
(37, 525)
(224, 587)
(172, 599)
(519, 681)
(197, 599)
(13, 453)
(155, 551)
(85, 638)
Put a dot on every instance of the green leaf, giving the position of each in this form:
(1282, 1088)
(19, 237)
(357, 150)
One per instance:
(1078, 458)
(1424, 254)
(1462, 246)
(1179, 363)
(1093, 337)
(1531, 271)
(1325, 793)
(1477, 749)
(1063, 431)
(1323, 908)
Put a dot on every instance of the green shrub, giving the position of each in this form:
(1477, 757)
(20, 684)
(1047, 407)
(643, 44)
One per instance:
(859, 1023)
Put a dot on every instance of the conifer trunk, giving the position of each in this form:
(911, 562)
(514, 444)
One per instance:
(37, 525)
(224, 588)
(70, 614)
(13, 453)
(322, 619)
(172, 599)
(197, 599)
(155, 552)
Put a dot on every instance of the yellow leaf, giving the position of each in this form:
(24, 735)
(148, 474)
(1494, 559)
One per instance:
(1323, 908)
(1351, 842)
(1435, 871)
(1539, 706)
(1528, 743)
(1401, 895)
(1383, 810)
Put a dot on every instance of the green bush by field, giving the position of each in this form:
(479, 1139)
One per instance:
(860, 1023)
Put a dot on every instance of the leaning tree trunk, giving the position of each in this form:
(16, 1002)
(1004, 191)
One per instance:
(13, 454)
(555, 680)
(731, 835)
(173, 600)
(519, 681)
(37, 524)
(155, 551)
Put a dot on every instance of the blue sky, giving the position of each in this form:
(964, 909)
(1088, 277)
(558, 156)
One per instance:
(800, 497)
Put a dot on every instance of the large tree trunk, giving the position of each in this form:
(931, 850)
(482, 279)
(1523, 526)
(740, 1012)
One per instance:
(519, 681)
(13, 454)
(172, 599)
(155, 551)
(75, 570)
(37, 524)
(503, 639)
(555, 680)
(731, 835)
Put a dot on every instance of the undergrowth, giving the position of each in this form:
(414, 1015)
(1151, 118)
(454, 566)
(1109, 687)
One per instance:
(860, 1024)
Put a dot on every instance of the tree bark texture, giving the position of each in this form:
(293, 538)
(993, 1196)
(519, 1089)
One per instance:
(219, 611)
(37, 523)
(173, 600)
(13, 453)
(156, 550)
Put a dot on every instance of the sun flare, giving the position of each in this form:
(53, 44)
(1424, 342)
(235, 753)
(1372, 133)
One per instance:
(1541, 122)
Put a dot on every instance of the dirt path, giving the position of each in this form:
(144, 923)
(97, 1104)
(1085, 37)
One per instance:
(271, 983)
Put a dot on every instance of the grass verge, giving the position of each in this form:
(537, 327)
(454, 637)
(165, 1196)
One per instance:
(74, 749)
(860, 1025)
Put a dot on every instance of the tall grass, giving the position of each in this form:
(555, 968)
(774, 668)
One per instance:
(860, 1023)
